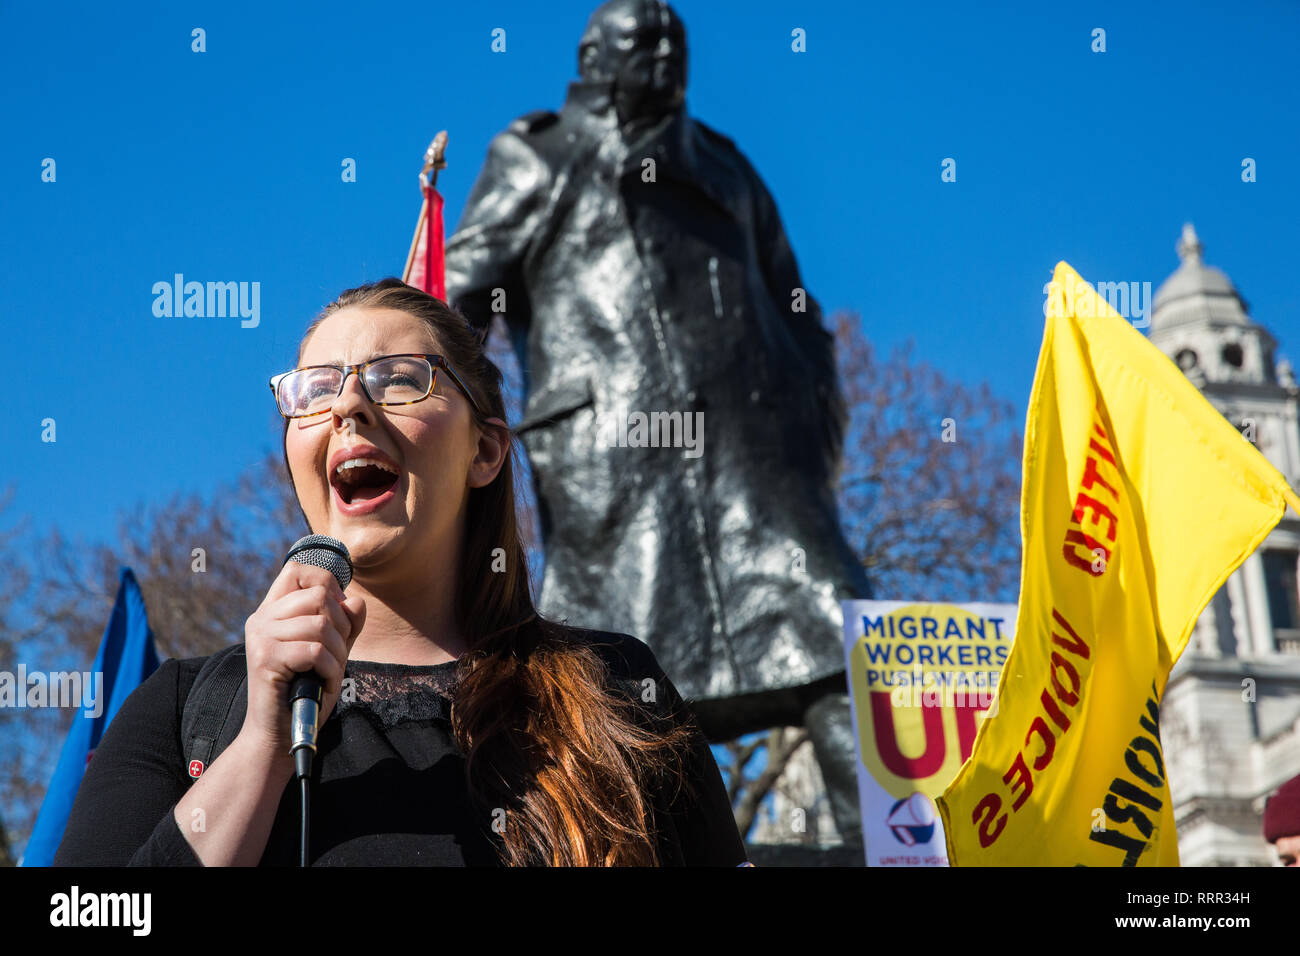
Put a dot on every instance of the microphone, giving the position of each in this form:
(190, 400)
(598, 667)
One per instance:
(318, 551)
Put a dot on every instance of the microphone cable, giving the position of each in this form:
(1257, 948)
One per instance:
(306, 828)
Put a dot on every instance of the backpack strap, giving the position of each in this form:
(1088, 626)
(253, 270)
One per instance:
(214, 709)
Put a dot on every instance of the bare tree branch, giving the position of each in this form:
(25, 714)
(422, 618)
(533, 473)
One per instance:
(780, 745)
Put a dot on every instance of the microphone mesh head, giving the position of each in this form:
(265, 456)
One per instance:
(322, 551)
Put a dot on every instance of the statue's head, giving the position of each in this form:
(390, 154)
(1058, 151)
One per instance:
(640, 47)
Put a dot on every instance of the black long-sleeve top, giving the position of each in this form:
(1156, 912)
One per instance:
(389, 787)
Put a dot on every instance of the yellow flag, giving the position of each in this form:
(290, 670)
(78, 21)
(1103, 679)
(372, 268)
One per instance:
(1139, 499)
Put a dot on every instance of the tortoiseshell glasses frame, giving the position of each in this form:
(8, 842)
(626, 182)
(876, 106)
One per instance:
(434, 362)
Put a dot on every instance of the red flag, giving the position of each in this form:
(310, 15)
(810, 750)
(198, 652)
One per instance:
(426, 262)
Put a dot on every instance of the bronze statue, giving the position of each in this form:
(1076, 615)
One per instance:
(641, 267)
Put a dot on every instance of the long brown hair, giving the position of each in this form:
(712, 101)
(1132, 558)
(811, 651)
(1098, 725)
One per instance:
(570, 763)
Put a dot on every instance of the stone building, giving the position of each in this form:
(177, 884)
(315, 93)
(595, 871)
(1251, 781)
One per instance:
(1230, 720)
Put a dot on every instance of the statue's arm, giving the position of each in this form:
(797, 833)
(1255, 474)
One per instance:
(802, 314)
(504, 212)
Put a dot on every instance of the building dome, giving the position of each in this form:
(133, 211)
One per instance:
(1201, 322)
(1196, 291)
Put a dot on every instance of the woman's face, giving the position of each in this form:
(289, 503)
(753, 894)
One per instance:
(435, 446)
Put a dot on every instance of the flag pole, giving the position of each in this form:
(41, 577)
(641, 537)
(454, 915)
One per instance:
(434, 160)
(415, 241)
(1291, 498)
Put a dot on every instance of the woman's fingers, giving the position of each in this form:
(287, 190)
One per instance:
(303, 656)
(297, 577)
(309, 601)
(290, 638)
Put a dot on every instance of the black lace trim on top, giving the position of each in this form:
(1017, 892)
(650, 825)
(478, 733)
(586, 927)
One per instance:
(396, 693)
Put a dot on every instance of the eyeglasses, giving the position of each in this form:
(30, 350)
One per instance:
(387, 380)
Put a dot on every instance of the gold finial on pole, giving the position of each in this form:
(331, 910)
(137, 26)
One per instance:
(434, 160)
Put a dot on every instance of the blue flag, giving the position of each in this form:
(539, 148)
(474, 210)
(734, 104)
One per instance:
(126, 658)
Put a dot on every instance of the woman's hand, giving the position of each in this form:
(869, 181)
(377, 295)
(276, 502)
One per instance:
(304, 624)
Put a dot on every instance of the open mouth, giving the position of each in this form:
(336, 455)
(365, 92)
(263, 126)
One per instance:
(362, 479)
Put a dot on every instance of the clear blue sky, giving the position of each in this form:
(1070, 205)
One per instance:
(225, 165)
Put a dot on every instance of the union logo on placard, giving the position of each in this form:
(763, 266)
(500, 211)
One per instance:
(911, 820)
